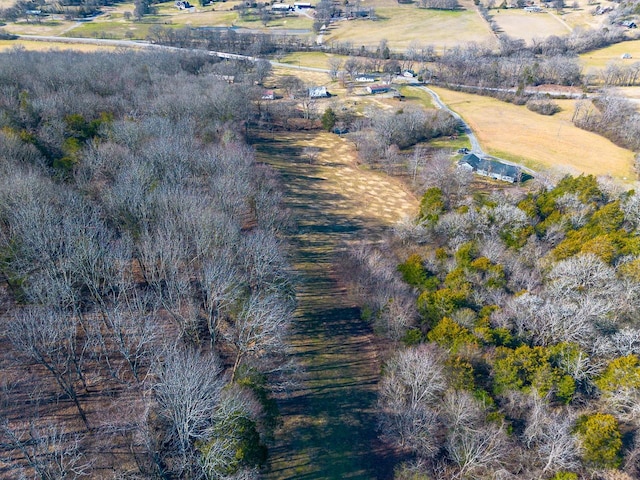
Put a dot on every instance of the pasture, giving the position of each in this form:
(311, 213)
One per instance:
(401, 25)
(599, 59)
(518, 23)
(515, 133)
(310, 59)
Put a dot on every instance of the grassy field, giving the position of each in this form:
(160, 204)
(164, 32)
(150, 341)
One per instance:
(515, 133)
(328, 428)
(598, 59)
(309, 59)
(49, 27)
(417, 95)
(526, 25)
(401, 25)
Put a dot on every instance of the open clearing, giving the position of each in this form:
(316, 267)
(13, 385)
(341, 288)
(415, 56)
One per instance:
(329, 424)
(540, 142)
(401, 25)
(527, 25)
(310, 59)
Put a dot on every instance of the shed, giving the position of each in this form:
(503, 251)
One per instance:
(377, 89)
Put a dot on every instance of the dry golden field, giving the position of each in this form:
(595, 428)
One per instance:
(598, 59)
(513, 132)
(401, 25)
(527, 25)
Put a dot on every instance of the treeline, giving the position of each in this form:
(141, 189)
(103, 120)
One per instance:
(612, 116)
(523, 360)
(145, 284)
(72, 8)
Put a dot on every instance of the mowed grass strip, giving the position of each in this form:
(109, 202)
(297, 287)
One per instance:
(542, 142)
(401, 25)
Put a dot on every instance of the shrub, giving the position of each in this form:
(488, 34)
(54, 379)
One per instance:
(601, 440)
(412, 271)
(543, 107)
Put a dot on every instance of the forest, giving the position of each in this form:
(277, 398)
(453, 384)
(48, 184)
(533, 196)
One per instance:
(148, 293)
(146, 290)
(518, 311)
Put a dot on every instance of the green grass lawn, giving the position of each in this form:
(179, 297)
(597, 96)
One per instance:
(417, 95)
(310, 59)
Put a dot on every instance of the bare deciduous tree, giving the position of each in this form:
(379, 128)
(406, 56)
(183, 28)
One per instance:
(187, 390)
(259, 330)
(49, 338)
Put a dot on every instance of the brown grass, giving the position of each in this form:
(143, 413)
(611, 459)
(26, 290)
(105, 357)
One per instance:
(541, 142)
(402, 24)
(520, 24)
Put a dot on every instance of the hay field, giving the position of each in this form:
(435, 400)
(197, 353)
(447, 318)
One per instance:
(52, 26)
(513, 132)
(402, 24)
(528, 25)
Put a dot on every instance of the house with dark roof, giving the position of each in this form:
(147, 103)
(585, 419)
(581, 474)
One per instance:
(493, 169)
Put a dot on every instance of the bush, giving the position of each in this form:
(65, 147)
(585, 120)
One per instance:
(601, 440)
(413, 272)
(543, 107)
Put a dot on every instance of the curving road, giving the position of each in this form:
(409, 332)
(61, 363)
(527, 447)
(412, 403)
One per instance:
(475, 144)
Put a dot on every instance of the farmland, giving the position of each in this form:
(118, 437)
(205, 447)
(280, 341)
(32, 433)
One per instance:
(541, 142)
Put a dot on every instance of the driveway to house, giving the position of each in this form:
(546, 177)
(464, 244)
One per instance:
(475, 144)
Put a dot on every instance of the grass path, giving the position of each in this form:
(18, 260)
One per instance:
(329, 426)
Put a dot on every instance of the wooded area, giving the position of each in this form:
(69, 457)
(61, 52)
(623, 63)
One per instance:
(147, 293)
(522, 343)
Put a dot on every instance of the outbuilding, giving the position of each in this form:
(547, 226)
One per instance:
(373, 89)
